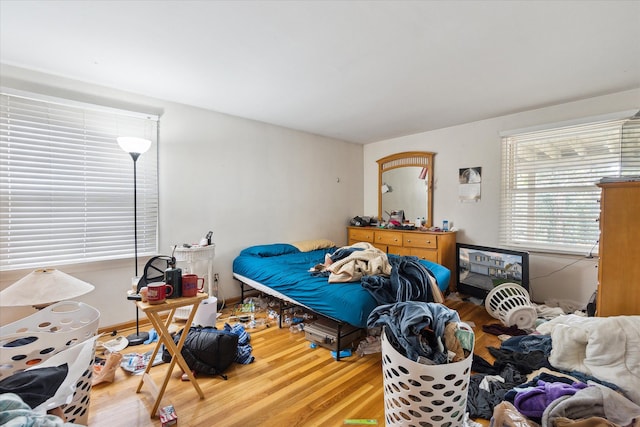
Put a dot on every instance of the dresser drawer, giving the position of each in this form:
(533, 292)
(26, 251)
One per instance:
(398, 250)
(426, 254)
(391, 238)
(416, 240)
(363, 235)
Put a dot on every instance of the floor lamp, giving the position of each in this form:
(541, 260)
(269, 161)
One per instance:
(135, 147)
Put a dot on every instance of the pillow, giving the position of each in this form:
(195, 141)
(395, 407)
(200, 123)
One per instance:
(273, 249)
(312, 245)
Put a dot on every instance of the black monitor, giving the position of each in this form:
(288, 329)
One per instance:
(482, 268)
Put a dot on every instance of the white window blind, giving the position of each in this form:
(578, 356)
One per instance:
(67, 187)
(549, 197)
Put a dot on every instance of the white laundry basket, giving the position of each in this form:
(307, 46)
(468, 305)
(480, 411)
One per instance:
(510, 303)
(36, 338)
(422, 395)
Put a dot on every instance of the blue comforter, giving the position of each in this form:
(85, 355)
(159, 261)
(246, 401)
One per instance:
(285, 269)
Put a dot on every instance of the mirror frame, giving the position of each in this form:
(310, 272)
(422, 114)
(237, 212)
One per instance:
(422, 159)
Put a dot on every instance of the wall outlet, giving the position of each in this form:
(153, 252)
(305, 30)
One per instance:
(216, 277)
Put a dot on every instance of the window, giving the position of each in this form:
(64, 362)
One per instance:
(549, 197)
(67, 187)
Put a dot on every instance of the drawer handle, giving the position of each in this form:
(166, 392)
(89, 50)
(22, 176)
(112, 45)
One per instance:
(409, 240)
(428, 241)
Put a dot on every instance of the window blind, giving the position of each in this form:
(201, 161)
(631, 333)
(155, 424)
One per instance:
(67, 187)
(549, 200)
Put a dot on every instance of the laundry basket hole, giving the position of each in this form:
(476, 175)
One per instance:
(22, 341)
(403, 370)
(439, 386)
(450, 377)
(426, 377)
(426, 393)
(47, 350)
(414, 382)
(404, 386)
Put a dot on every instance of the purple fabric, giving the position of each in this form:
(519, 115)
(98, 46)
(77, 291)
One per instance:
(534, 400)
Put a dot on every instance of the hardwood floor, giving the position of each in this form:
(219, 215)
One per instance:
(288, 384)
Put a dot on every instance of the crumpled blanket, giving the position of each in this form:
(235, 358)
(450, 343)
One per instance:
(604, 347)
(368, 261)
(409, 281)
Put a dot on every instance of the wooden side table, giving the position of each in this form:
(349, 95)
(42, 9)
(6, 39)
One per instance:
(164, 337)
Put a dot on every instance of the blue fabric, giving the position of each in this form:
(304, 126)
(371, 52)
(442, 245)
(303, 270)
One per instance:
(243, 355)
(528, 343)
(274, 249)
(405, 321)
(408, 282)
(289, 275)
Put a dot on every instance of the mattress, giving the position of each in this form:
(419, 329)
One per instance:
(284, 270)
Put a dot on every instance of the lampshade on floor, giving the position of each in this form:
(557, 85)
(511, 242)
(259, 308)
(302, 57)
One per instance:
(43, 287)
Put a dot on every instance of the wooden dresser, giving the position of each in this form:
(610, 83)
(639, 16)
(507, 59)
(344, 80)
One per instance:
(438, 247)
(619, 266)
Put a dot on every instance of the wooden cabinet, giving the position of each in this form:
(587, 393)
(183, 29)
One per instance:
(619, 266)
(438, 247)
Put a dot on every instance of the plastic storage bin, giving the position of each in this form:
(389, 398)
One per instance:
(422, 395)
(30, 341)
(510, 303)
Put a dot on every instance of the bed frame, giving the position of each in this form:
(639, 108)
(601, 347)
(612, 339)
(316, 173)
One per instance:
(249, 285)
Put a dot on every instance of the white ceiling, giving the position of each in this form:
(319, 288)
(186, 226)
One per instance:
(361, 71)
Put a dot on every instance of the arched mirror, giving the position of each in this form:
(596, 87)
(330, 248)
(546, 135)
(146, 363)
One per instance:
(405, 183)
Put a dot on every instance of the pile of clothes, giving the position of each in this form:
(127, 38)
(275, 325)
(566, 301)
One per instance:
(541, 378)
(422, 331)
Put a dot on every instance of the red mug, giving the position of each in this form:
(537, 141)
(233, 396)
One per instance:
(157, 292)
(190, 286)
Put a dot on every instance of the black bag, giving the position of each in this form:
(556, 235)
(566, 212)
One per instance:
(207, 350)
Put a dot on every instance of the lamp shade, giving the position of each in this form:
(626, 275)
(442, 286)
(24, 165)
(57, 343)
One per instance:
(132, 144)
(43, 287)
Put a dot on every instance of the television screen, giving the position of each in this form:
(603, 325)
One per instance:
(482, 268)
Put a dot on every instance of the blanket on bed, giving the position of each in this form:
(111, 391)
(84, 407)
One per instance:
(365, 260)
(604, 347)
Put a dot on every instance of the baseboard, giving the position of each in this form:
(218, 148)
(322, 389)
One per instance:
(113, 329)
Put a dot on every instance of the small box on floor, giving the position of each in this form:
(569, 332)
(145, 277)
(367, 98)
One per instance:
(168, 416)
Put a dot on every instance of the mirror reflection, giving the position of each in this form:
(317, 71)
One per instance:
(405, 191)
(405, 183)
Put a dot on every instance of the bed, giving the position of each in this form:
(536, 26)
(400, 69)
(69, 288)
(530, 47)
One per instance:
(282, 270)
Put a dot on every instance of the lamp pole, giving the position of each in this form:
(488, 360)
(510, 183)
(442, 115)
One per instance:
(135, 156)
(135, 147)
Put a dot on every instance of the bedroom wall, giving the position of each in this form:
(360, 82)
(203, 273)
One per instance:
(553, 276)
(248, 182)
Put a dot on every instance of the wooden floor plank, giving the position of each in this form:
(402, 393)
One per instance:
(288, 384)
